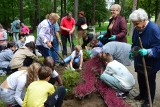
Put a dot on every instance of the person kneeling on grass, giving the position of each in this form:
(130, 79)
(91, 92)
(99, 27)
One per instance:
(117, 76)
(12, 90)
(76, 58)
(42, 94)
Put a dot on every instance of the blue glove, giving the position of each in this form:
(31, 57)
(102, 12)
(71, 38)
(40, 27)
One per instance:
(143, 52)
(130, 55)
(113, 37)
(100, 36)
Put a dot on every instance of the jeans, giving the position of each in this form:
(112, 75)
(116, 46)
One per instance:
(64, 43)
(15, 36)
(55, 45)
(113, 82)
(44, 51)
(56, 99)
(68, 59)
(7, 95)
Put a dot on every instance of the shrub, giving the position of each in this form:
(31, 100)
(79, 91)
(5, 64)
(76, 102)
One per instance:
(70, 80)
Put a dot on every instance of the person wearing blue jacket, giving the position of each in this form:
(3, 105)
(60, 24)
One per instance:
(149, 33)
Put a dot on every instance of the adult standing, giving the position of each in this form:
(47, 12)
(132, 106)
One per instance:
(149, 33)
(117, 28)
(81, 21)
(56, 41)
(67, 28)
(15, 29)
(44, 34)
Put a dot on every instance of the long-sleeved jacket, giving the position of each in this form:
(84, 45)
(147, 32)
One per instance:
(119, 29)
(150, 38)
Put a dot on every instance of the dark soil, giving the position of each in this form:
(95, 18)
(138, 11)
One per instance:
(92, 100)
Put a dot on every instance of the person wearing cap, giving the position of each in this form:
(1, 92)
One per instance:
(117, 28)
(81, 26)
(67, 27)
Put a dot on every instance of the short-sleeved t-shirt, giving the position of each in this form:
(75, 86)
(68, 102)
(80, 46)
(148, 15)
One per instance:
(67, 24)
(73, 55)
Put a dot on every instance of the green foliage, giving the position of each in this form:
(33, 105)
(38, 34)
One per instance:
(86, 55)
(70, 80)
(101, 12)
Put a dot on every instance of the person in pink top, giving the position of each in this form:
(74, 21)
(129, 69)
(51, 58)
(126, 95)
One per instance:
(67, 27)
(24, 30)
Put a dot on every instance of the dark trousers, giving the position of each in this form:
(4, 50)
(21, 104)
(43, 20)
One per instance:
(52, 80)
(64, 43)
(85, 42)
(44, 51)
(143, 86)
(56, 99)
(55, 45)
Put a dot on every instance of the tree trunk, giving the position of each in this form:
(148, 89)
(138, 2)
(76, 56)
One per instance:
(135, 2)
(93, 12)
(64, 6)
(21, 10)
(61, 9)
(158, 20)
(116, 1)
(75, 9)
(55, 7)
(156, 9)
(122, 7)
(38, 10)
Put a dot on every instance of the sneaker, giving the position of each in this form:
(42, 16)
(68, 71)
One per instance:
(145, 104)
(121, 95)
(38, 53)
(139, 97)
(2, 73)
(62, 63)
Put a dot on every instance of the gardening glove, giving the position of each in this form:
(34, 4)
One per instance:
(113, 37)
(130, 55)
(72, 69)
(100, 36)
(143, 52)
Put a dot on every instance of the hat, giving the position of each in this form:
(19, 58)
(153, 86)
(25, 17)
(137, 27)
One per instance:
(82, 13)
(84, 26)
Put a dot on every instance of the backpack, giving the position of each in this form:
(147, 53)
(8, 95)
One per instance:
(17, 26)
